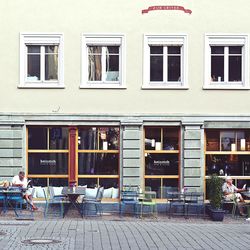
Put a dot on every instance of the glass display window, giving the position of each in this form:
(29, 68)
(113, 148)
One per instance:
(161, 159)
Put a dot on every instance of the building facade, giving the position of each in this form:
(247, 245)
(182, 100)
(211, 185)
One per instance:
(120, 93)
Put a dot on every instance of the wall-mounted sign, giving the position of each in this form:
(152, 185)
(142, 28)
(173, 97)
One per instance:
(166, 7)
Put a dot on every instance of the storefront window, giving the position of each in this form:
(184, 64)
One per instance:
(47, 154)
(98, 156)
(161, 159)
(228, 154)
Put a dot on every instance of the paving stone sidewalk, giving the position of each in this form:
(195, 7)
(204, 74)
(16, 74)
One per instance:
(125, 233)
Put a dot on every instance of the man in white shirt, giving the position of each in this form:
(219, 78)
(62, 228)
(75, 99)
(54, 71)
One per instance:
(231, 192)
(20, 181)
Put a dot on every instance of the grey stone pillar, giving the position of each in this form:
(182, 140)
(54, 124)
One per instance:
(11, 151)
(193, 162)
(131, 165)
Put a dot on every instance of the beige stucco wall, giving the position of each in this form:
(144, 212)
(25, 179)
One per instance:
(72, 18)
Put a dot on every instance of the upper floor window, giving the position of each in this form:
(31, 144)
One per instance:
(41, 60)
(103, 61)
(226, 62)
(165, 61)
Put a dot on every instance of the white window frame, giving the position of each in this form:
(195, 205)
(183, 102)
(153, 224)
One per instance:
(103, 40)
(226, 40)
(40, 39)
(165, 40)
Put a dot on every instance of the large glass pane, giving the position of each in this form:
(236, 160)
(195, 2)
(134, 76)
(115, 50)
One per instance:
(235, 50)
(174, 50)
(217, 50)
(156, 63)
(112, 66)
(217, 68)
(58, 138)
(48, 163)
(51, 49)
(241, 141)
(235, 68)
(155, 185)
(152, 136)
(174, 68)
(108, 138)
(169, 185)
(108, 182)
(37, 138)
(228, 142)
(33, 67)
(58, 182)
(33, 49)
(51, 67)
(98, 163)
(156, 50)
(43, 182)
(235, 165)
(95, 63)
(247, 134)
(161, 164)
(213, 140)
(88, 138)
(170, 139)
(90, 182)
(156, 68)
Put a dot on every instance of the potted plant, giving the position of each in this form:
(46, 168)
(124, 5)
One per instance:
(215, 198)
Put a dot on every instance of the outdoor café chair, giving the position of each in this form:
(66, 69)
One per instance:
(16, 201)
(3, 199)
(149, 201)
(87, 204)
(195, 203)
(176, 203)
(50, 200)
(128, 198)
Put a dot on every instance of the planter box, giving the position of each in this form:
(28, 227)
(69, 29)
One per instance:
(216, 214)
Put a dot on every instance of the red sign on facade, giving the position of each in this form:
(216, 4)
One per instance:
(168, 7)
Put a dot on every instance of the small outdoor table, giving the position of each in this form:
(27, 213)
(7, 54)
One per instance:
(8, 193)
(73, 194)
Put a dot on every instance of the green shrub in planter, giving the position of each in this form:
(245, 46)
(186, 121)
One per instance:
(215, 196)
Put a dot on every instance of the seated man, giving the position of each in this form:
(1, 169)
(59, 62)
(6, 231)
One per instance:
(20, 181)
(231, 192)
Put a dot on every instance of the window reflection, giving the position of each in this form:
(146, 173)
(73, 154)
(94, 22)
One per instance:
(103, 138)
(48, 163)
(98, 163)
(161, 164)
(58, 138)
(37, 138)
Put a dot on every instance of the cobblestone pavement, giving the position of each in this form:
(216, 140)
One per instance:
(113, 232)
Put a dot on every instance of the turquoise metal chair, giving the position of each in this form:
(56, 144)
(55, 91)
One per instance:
(128, 198)
(16, 201)
(3, 199)
(87, 204)
(50, 200)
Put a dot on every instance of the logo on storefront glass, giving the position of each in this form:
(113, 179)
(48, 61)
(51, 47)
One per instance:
(49, 163)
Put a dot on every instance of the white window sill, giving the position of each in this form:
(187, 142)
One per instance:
(164, 87)
(102, 86)
(41, 86)
(224, 87)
